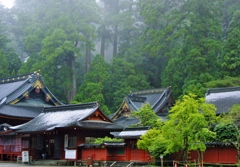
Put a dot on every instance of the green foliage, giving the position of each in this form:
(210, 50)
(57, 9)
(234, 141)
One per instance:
(199, 33)
(57, 33)
(148, 117)
(158, 43)
(106, 139)
(226, 132)
(189, 123)
(227, 81)
(187, 128)
(14, 62)
(58, 59)
(93, 88)
(229, 128)
(231, 60)
(153, 142)
(123, 79)
(3, 65)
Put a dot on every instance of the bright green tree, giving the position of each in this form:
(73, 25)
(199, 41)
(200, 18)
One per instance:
(150, 140)
(148, 117)
(153, 142)
(189, 126)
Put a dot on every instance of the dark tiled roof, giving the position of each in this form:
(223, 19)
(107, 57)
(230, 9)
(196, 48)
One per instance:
(223, 98)
(114, 144)
(128, 133)
(99, 125)
(8, 89)
(127, 121)
(64, 117)
(160, 100)
(156, 97)
(218, 143)
(12, 100)
(89, 145)
(14, 87)
(20, 111)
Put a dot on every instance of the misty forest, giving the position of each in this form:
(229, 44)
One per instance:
(88, 50)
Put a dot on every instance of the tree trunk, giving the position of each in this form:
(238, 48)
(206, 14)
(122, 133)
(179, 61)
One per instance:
(185, 151)
(115, 40)
(71, 92)
(103, 43)
(74, 82)
(103, 33)
(88, 56)
(115, 37)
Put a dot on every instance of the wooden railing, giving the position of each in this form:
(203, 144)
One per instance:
(10, 149)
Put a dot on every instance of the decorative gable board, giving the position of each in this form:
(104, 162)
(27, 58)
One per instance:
(98, 116)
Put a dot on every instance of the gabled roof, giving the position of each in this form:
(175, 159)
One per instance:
(159, 99)
(87, 115)
(15, 88)
(129, 133)
(127, 121)
(223, 98)
(19, 98)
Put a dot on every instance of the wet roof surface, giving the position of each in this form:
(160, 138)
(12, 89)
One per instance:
(223, 99)
(66, 116)
(21, 111)
(131, 132)
(50, 120)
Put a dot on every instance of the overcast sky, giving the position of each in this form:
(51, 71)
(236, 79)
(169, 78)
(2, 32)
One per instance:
(7, 3)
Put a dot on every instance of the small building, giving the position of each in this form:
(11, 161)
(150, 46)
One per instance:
(57, 132)
(122, 151)
(160, 100)
(130, 136)
(23, 97)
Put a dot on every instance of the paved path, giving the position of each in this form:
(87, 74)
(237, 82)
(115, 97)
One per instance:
(14, 164)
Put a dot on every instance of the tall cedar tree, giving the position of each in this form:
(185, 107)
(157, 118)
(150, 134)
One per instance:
(93, 88)
(75, 22)
(231, 58)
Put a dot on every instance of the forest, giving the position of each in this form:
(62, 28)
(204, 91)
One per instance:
(101, 50)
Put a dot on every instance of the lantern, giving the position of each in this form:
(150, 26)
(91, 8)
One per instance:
(37, 89)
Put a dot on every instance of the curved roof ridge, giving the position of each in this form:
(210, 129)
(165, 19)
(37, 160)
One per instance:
(149, 91)
(130, 101)
(71, 106)
(224, 89)
(17, 78)
(166, 94)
